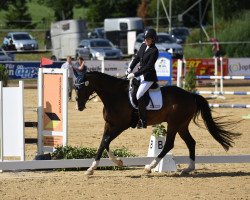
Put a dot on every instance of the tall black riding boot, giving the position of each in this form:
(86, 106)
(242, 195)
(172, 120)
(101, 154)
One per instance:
(142, 103)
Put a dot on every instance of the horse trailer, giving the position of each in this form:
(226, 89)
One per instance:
(66, 36)
(122, 32)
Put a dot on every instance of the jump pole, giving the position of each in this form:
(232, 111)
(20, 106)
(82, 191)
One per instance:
(229, 106)
(137, 161)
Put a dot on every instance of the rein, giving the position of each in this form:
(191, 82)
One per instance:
(81, 83)
(123, 77)
(92, 97)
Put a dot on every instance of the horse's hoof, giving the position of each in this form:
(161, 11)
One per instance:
(147, 169)
(119, 163)
(186, 171)
(89, 172)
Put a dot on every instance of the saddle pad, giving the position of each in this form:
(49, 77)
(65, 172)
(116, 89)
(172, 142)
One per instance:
(156, 97)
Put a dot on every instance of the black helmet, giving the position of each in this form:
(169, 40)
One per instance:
(150, 33)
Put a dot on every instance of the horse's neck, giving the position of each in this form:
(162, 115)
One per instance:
(108, 91)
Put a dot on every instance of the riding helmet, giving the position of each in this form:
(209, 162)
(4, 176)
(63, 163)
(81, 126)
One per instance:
(150, 33)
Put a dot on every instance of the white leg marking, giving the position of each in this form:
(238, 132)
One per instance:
(152, 165)
(114, 159)
(90, 171)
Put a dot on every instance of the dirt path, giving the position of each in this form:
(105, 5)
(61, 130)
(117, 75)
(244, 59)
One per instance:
(209, 181)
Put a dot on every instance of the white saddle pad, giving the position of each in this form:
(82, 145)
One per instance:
(156, 97)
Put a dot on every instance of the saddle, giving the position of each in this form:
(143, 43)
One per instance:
(153, 95)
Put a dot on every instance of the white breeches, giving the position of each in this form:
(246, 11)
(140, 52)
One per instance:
(144, 86)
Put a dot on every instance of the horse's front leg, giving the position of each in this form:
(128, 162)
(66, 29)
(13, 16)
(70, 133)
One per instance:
(169, 144)
(108, 136)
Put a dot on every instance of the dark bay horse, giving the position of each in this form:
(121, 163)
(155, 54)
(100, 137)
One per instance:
(179, 108)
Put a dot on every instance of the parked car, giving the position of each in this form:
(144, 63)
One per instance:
(22, 41)
(180, 33)
(96, 49)
(165, 42)
(4, 56)
(96, 33)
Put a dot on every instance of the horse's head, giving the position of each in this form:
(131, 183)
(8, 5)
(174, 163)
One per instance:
(83, 92)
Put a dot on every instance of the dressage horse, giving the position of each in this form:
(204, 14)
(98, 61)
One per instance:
(179, 108)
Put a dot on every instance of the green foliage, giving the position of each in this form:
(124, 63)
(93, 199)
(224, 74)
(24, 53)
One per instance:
(69, 152)
(4, 75)
(190, 19)
(18, 15)
(239, 30)
(190, 82)
(100, 10)
(63, 9)
(228, 9)
(159, 130)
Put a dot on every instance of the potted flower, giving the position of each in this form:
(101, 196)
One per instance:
(159, 130)
(157, 140)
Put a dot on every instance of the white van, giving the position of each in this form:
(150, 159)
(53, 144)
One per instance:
(122, 32)
(65, 37)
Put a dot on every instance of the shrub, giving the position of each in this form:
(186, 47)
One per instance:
(69, 152)
(190, 82)
(4, 75)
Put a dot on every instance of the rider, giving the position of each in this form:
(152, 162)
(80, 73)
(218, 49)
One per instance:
(147, 56)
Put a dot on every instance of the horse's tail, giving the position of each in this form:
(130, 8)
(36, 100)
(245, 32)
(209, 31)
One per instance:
(215, 128)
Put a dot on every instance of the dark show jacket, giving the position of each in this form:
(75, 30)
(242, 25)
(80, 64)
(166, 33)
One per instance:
(147, 61)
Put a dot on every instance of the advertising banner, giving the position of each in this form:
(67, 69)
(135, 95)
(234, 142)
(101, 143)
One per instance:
(239, 67)
(163, 67)
(26, 70)
(203, 66)
(29, 70)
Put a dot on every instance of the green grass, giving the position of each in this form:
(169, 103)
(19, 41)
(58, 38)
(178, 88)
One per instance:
(32, 56)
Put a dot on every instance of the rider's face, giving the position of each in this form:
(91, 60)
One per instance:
(148, 41)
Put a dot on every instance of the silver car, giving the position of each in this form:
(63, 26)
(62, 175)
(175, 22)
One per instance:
(164, 43)
(4, 56)
(97, 49)
(22, 41)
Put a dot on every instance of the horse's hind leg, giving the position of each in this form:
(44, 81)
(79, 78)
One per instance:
(190, 142)
(169, 144)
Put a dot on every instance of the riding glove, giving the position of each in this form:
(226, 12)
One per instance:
(130, 76)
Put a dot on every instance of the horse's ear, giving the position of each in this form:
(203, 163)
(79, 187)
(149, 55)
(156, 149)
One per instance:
(86, 83)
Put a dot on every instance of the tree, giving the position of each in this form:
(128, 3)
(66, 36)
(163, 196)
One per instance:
(142, 11)
(4, 4)
(227, 9)
(63, 9)
(99, 10)
(18, 16)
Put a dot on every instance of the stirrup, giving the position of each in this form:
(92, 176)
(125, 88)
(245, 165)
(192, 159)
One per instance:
(141, 124)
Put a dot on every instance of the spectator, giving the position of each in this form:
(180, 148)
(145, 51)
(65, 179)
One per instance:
(80, 68)
(69, 66)
(11, 49)
(215, 47)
